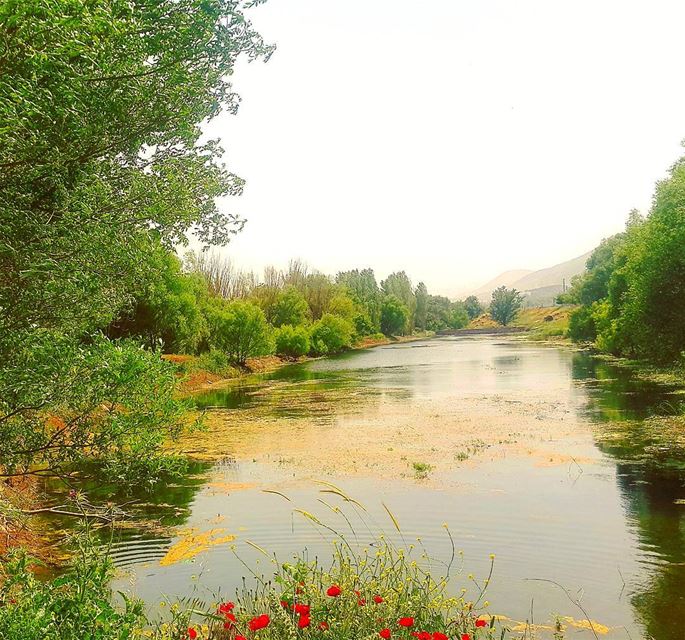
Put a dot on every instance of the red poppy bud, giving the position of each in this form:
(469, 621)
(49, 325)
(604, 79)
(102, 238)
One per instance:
(323, 625)
(333, 591)
(284, 604)
(377, 599)
(361, 602)
(385, 634)
(406, 622)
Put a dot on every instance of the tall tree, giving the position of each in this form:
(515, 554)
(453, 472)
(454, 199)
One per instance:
(505, 304)
(421, 295)
(101, 160)
(473, 307)
(399, 285)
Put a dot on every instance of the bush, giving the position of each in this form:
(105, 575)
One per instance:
(291, 342)
(77, 604)
(330, 335)
(581, 325)
(239, 329)
(214, 361)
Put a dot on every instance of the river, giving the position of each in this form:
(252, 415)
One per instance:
(541, 455)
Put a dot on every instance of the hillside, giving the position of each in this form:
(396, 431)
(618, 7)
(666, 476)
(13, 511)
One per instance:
(506, 279)
(541, 287)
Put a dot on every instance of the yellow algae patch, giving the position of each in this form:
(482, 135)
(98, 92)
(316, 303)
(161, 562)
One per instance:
(192, 543)
(524, 626)
(230, 486)
(587, 624)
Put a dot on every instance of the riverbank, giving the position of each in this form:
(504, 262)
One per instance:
(195, 378)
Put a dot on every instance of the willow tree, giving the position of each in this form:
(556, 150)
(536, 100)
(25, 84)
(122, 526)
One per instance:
(101, 159)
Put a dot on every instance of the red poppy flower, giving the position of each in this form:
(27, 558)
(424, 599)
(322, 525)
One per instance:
(240, 638)
(377, 599)
(192, 634)
(304, 621)
(481, 623)
(226, 607)
(465, 636)
(439, 636)
(406, 622)
(260, 622)
(301, 609)
(421, 635)
(333, 591)
(323, 625)
(385, 634)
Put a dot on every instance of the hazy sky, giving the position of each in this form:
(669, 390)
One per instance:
(454, 139)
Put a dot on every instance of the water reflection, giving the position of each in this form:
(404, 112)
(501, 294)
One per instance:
(650, 467)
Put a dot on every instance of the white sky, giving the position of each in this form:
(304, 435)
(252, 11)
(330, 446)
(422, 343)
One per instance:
(454, 139)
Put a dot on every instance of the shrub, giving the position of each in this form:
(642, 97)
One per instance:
(214, 361)
(292, 342)
(239, 329)
(331, 334)
(581, 325)
(77, 604)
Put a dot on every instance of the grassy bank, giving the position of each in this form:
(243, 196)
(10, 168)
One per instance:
(539, 323)
(202, 372)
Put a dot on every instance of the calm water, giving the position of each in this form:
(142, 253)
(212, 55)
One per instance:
(557, 473)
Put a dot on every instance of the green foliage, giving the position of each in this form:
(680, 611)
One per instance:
(473, 307)
(66, 402)
(394, 316)
(214, 361)
(421, 295)
(505, 304)
(291, 342)
(363, 288)
(331, 334)
(399, 285)
(167, 312)
(593, 284)
(633, 291)
(239, 329)
(459, 316)
(653, 310)
(75, 605)
(289, 307)
(581, 325)
(343, 306)
(101, 165)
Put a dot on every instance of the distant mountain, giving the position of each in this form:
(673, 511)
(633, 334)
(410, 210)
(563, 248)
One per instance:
(505, 279)
(553, 275)
(541, 287)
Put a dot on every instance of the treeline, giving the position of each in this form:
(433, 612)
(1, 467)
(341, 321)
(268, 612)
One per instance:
(632, 294)
(205, 304)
